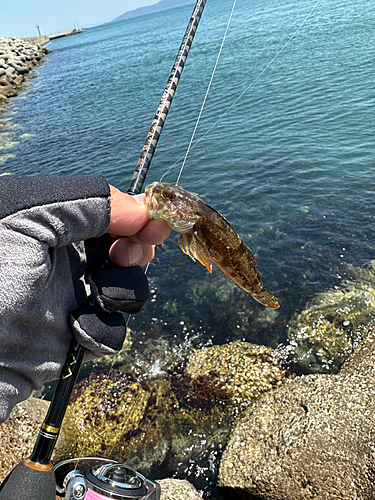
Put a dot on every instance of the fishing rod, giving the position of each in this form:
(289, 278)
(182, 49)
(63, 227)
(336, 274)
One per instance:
(147, 154)
(34, 478)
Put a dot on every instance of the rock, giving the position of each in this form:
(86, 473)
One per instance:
(17, 58)
(22, 70)
(103, 408)
(14, 65)
(9, 91)
(177, 489)
(18, 80)
(244, 370)
(19, 432)
(314, 437)
(328, 330)
(140, 422)
(10, 71)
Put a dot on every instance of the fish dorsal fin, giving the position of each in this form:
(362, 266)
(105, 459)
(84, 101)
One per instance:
(195, 249)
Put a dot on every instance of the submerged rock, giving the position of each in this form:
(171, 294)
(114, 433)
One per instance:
(333, 323)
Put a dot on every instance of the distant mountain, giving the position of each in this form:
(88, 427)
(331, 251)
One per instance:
(162, 5)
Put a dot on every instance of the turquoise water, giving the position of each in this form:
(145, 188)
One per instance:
(290, 166)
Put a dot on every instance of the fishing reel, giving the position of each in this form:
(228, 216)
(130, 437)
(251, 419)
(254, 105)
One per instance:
(99, 479)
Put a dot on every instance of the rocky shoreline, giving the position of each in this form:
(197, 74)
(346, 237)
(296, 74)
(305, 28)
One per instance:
(295, 438)
(17, 60)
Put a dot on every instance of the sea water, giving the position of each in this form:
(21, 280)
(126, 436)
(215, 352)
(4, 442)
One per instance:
(291, 165)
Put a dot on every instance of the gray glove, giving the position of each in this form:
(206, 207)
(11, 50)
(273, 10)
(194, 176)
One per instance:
(46, 274)
(100, 325)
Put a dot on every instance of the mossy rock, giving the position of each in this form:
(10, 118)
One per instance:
(103, 408)
(179, 418)
(333, 323)
(244, 371)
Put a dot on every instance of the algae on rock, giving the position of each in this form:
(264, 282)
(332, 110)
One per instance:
(244, 370)
(333, 323)
(104, 407)
(174, 422)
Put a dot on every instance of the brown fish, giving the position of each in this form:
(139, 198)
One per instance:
(208, 237)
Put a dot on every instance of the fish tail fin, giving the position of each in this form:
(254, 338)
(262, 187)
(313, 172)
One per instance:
(267, 299)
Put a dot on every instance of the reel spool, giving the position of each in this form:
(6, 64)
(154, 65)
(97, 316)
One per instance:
(99, 479)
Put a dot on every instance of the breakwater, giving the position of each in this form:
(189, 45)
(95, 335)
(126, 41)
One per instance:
(17, 60)
(37, 40)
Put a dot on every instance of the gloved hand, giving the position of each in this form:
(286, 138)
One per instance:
(47, 273)
(99, 325)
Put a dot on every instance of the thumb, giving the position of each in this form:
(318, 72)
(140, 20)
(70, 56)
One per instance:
(128, 213)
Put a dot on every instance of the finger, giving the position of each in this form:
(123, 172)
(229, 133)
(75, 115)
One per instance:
(125, 252)
(154, 232)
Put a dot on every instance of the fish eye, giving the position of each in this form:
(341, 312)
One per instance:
(168, 193)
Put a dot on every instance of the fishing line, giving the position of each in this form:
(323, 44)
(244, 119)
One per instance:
(190, 147)
(208, 89)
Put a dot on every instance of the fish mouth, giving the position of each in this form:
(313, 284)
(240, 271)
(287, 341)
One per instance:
(152, 203)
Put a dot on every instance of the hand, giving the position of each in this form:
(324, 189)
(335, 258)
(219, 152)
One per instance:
(50, 231)
(136, 236)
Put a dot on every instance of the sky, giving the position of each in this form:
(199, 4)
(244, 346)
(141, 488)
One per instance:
(20, 17)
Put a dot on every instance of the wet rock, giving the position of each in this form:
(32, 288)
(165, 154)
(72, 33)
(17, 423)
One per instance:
(118, 417)
(103, 408)
(328, 330)
(243, 370)
(19, 432)
(311, 438)
(178, 421)
(177, 489)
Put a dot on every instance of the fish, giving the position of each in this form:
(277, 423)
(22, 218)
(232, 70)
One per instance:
(207, 236)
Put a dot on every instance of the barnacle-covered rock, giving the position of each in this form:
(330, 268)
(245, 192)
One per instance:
(244, 371)
(177, 422)
(103, 408)
(333, 323)
(311, 438)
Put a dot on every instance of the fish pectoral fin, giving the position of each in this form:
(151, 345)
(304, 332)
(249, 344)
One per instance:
(195, 249)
